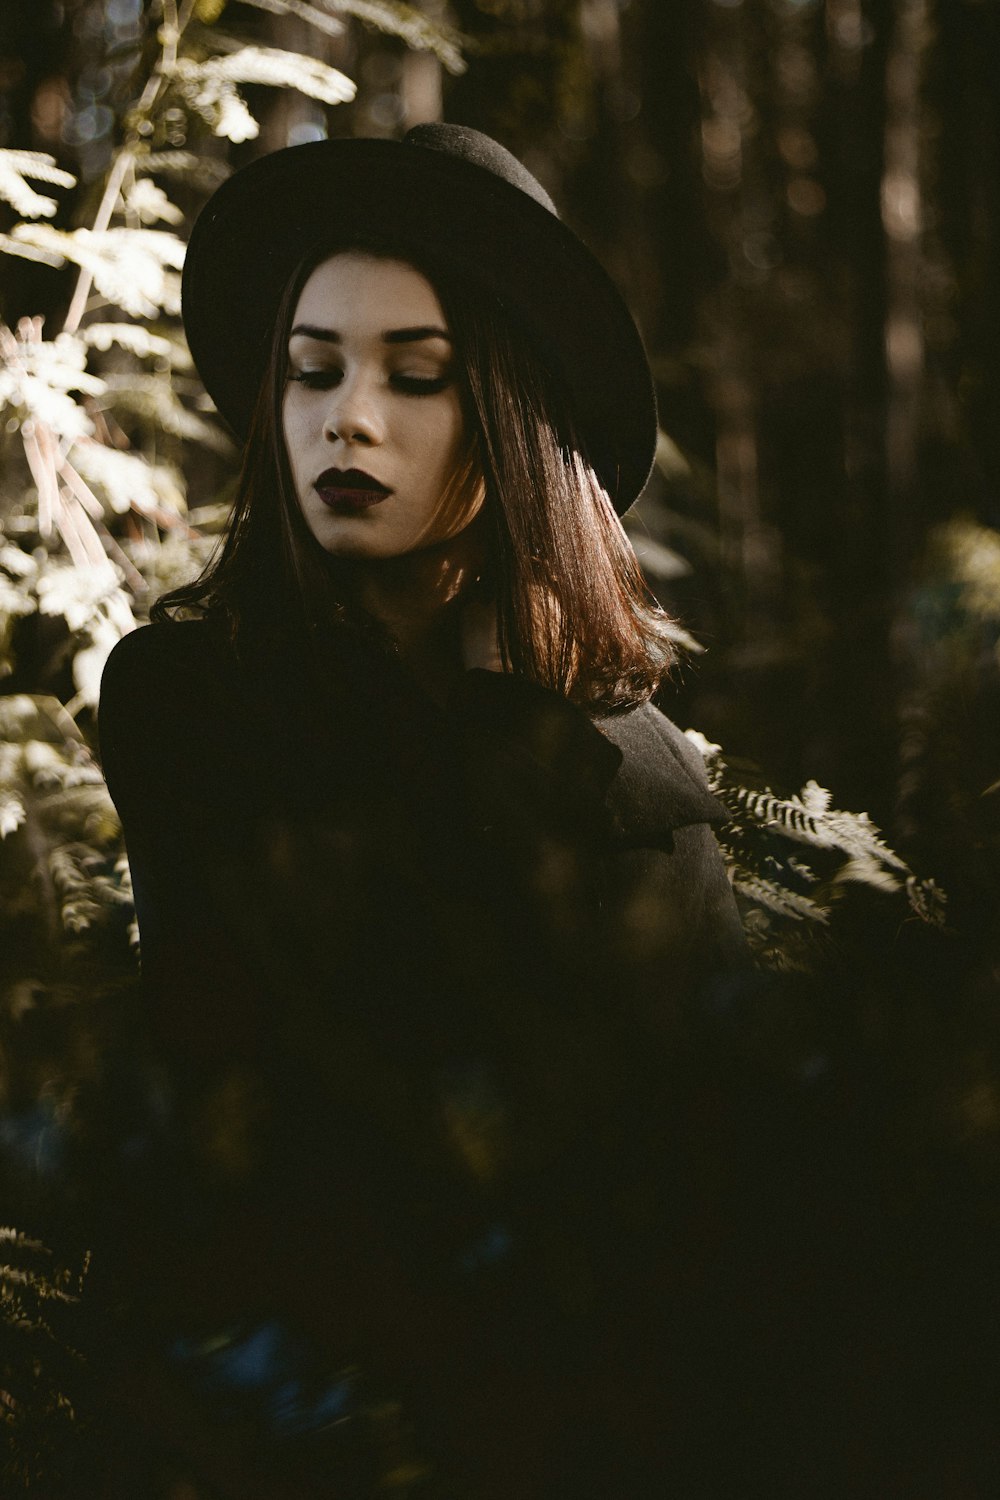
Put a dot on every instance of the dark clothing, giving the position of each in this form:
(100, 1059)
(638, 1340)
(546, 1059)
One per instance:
(423, 980)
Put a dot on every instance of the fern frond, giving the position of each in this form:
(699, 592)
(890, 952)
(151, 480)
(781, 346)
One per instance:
(320, 19)
(16, 167)
(202, 171)
(808, 819)
(170, 561)
(17, 563)
(150, 203)
(767, 875)
(17, 1237)
(24, 716)
(127, 480)
(420, 33)
(777, 898)
(154, 398)
(105, 631)
(209, 86)
(133, 268)
(86, 892)
(782, 947)
(76, 592)
(271, 66)
(14, 601)
(866, 869)
(53, 767)
(927, 900)
(41, 1363)
(12, 813)
(137, 339)
(38, 374)
(222, 107)
(24, 251)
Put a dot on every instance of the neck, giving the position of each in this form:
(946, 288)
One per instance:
(418, 597)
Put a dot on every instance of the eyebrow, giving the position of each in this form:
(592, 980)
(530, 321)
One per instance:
(390, 336)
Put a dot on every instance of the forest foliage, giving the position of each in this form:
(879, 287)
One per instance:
(116, 471)
(105, 414)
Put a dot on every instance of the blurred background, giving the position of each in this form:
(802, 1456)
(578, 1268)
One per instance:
(801, 202)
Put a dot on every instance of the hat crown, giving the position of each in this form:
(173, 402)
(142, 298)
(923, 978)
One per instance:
(480, 151)
(445, 196)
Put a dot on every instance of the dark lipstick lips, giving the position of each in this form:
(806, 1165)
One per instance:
(350, 489)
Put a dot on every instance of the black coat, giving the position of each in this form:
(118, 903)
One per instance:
(422, 980)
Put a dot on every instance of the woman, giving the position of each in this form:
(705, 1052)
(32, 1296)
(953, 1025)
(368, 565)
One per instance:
(429, 900)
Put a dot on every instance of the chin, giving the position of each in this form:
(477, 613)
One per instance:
(359, 548)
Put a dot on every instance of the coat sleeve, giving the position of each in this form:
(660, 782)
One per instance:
(613, 820)
(673, 920)
(172, 767)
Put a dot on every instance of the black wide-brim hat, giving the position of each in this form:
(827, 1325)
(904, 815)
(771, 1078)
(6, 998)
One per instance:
(467, 203)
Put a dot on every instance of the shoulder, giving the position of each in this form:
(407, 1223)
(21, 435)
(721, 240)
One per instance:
(661, 783)
(161, 679)
(159, 662)
(153, 652)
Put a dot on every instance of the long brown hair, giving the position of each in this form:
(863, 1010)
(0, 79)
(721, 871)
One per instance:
(573, 610)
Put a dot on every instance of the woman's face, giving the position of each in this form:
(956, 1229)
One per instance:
(371, 414)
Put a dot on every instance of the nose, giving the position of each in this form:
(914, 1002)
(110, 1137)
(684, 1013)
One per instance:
(354, 414)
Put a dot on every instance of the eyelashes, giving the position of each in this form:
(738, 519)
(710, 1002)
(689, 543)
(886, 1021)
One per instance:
(421, 385)
(407, 385)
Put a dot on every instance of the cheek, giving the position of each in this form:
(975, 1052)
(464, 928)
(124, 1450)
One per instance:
(446, 442)
(292, 434)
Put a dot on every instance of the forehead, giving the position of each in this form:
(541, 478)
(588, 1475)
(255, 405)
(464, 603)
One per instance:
(356, 290)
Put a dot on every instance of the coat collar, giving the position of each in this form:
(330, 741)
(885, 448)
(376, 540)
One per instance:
(660, 784)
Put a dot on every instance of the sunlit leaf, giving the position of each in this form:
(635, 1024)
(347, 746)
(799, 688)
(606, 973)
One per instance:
(49, 768)
(154, 398)
(222, 107)
(151, 204)
(209, 87)
(281, 69)
(76, 592)
(15, 167)
(927, 899)
(768, 876)
(24, 251)
(14, 601)
(12, 813)
(777, 898)
(320, 19)
(19, 564)
(412, 26)
(35, 383)
(204, 172)
(89, 662)
(139, 340)
(127, 480)
(133, 268)
(867, 870)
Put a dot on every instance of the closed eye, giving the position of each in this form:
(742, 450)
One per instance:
(420, 385)
(316, 380)
(408, 385)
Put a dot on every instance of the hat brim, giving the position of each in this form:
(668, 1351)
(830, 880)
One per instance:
(265, 219)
